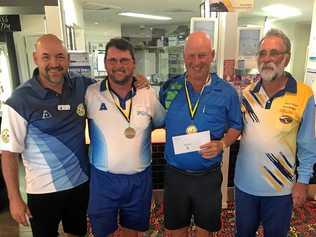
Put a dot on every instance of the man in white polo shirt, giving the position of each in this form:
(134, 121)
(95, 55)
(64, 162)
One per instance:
(121, 119)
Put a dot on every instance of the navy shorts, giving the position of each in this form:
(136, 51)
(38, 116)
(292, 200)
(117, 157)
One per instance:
(118, 195)
(69, 207)
(197, 194)
(274, 213)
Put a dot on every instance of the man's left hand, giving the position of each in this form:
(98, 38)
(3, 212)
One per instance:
(211, 149)
(299, 194)
(141, 82)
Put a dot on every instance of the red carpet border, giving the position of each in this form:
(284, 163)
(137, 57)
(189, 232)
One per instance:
(303, 222)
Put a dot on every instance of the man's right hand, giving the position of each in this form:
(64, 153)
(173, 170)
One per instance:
(20, 211)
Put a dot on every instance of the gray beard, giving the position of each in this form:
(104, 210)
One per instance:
(270, 78)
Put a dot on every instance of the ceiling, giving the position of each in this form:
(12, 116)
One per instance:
(8, 7)
(105, 11)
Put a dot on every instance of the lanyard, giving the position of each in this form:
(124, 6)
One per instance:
(125, 112)
(193, 108)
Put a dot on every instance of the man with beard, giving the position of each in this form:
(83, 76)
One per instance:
(278, 141)
(121, 119)
(44, 120)
(198, 102)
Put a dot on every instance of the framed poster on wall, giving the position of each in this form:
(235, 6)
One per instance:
(208, 25)
(248, 41)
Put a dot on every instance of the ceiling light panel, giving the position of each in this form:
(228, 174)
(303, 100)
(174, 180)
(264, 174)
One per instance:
(281, 11)
(146, 16)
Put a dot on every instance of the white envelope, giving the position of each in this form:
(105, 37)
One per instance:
(190, 142)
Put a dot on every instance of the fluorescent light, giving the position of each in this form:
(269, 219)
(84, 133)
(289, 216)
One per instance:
(281, 11)
(139, 15)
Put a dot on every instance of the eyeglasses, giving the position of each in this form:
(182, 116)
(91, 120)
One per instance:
(123, 61)
(273, 53)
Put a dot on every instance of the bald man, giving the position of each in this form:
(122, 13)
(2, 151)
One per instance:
(198, 102)
(44, 121)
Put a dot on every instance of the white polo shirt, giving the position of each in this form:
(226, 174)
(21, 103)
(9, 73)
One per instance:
(110, 149)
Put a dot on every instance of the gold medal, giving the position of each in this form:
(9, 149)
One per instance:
(129, 132)
(193, 108)
(191, 129)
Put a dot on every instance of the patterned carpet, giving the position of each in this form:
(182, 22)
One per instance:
(303, 222)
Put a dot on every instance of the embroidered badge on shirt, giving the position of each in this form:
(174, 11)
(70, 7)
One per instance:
(103, 107)
(5, 135)
(81, 110)
(286, 119)
(46, 115)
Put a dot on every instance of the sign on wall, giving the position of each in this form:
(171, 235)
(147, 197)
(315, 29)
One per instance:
(10, 23)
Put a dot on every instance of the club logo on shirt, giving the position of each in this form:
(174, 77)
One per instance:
(81, 110)
(286, 119)
(5, 135)
(46, 115)
(103, 107)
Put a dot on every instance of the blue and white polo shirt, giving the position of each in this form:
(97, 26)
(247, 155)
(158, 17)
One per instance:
(48, 130)
(110, 151)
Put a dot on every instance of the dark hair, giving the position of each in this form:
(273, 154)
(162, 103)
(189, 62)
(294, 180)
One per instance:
(279, 34)
(120, 44)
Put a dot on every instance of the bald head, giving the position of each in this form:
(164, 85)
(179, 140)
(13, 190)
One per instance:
(198, 55)
(52, 60)
(48, 39)
(199, 38)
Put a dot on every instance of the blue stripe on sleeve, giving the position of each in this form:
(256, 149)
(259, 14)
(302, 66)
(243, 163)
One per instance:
(306, 143)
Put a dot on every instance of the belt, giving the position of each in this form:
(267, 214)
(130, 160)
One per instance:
(211, 169)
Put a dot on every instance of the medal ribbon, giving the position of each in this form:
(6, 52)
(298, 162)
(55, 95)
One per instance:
(193, 108)
(127, 112)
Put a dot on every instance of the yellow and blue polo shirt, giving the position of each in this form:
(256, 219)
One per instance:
(278, 132)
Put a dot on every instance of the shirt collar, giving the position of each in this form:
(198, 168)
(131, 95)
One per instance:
(213, 77)
(103, 87)
(291, 85)
(40, 90)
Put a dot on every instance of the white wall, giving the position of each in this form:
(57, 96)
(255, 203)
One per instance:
(101, 34)
(302, 33)
(299, 36)
(311, 63)
(73, 13)
(96, 36)
(73, 16)
(31, 25)
(54, 21)
(312, 40)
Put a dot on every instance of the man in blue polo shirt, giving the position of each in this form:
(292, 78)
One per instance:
(44, 120)
(197, 102)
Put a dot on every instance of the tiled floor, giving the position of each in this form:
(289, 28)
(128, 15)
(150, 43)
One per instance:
(9, 228)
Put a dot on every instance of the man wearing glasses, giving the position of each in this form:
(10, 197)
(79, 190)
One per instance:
(278, 140)
(121, 119)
